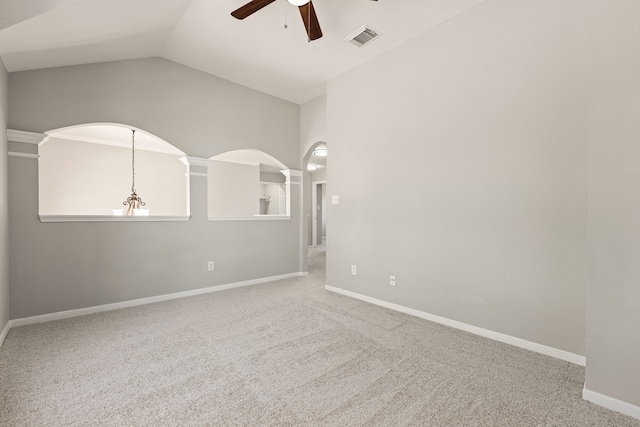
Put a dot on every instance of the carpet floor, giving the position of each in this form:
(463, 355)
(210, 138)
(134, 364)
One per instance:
(285, 353)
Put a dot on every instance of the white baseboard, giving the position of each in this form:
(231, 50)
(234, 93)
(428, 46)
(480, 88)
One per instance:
(497, 336)
(141, 301)
(611, 403)
(5, 331)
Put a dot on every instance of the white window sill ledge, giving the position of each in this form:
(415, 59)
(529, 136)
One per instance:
(251, 218)
(111, 218)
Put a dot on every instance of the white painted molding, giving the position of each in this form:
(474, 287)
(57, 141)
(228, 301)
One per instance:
(112, 218)
(611, 403)
(25, 137)
(23, 155)
(199, 174)
(142, 301)
(5, 331)
(288, 173)
(291, 172)
(195, 161)
(496, 336)
(272, 182)
(251, 218)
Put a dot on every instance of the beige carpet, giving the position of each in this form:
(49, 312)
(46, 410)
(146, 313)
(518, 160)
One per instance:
(286, 353)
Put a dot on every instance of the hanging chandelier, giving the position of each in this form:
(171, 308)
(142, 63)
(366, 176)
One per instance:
(134, 202)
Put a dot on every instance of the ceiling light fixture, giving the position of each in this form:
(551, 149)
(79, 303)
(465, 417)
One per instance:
(320, 152)
(134, 202)
(312, 167)
(298, 2)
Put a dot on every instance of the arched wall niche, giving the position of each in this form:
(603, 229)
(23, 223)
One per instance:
(88, 170)
(248, 184)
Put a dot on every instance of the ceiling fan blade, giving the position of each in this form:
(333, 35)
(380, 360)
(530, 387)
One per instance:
(250, 8)
(310, 20)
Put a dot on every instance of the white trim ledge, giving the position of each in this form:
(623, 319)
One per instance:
(111, 218)
(23, 155)
(142, 301)
(195, 161)
(611, 403)
(34, 138)
(251, 218)
(497, 336)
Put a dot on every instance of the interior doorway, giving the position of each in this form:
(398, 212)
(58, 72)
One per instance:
(319, 215)
(314, 205)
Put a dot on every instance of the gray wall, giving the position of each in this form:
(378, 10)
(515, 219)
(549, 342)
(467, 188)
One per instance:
(234, 189)
(4, 239)
(460, 161)
(319, 175)
(63, 266)
(313, 123)
(613, 292)
(272, 177)
(200, 114)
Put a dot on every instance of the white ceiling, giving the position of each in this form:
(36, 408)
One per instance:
(257, 52)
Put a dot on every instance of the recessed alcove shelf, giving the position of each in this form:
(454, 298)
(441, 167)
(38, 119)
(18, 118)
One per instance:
(251, 218)
(111, 218)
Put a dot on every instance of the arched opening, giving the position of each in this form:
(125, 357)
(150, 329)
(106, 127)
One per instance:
(90, 169)
(315, 204)
(248, 184)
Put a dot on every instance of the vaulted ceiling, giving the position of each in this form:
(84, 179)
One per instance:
(258, 52)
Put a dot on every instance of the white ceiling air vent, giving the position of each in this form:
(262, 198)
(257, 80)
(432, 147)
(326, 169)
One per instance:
(363, 36)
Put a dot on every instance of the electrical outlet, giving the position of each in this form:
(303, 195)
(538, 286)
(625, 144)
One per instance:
(392, 280)
(210, 266)
(353, 270)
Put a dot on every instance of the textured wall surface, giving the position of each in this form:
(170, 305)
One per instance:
(464, 174)
(613, 292)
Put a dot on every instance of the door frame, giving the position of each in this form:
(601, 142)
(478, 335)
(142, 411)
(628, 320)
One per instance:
(314, 211)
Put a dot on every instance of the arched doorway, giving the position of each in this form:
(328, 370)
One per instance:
(315, 205)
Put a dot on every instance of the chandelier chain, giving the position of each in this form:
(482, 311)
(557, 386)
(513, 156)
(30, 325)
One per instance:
(133, 202)
(133, 161)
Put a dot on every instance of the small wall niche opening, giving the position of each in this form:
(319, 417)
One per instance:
(247, 184)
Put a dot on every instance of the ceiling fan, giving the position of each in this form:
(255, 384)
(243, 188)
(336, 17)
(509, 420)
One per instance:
(307, 12)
